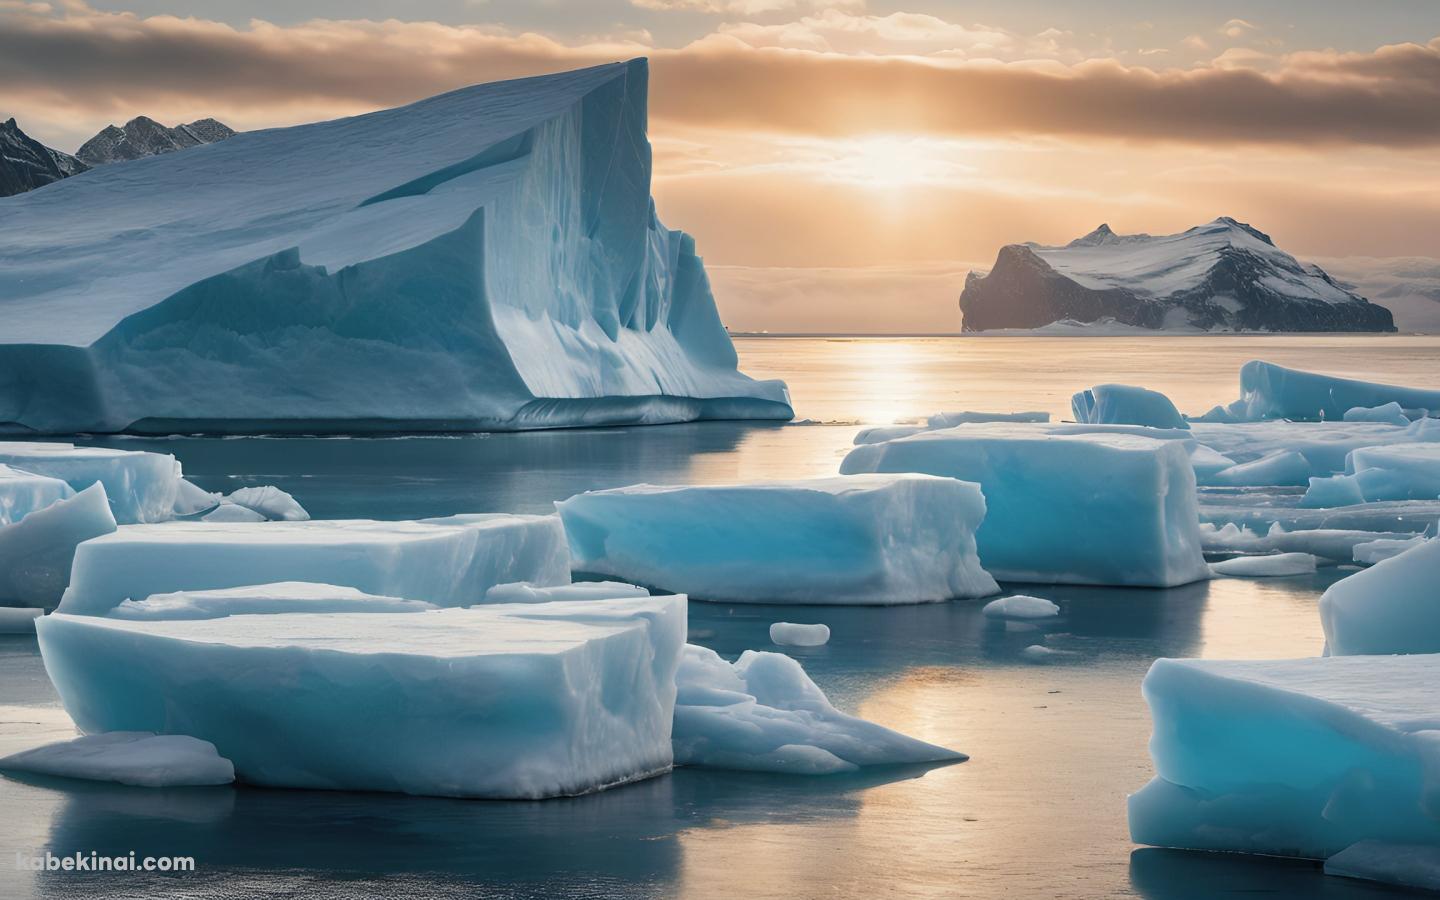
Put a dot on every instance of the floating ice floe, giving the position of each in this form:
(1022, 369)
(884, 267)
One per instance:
(968, 417)
(867, 539)
(1039, 653)
(501, 267)
(1279, 468)
(794, 634)
(1325, 446)
(1331, 491)
(227, 512)
(263, 599)
(1021, 606)
(1299, 757)
(1371, 552)
(449, 561)
(763, 713)
(1391, 607)
(141, 486)
(1084, 507)
(139, 758)
(504, 701)
(1123, 404)
(37, 553)
(1270, 565)
(524, 592)
(1333, 544)
(1268, 391)
(19, 619)
(1389, 414)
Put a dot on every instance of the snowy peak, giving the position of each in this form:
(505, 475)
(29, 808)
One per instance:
(142, 136)
(1225, 275)
(26, 164)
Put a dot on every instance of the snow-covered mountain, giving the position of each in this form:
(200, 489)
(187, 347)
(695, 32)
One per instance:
(1221, 276)
(26, 164)
(501, 267)
(142, 136)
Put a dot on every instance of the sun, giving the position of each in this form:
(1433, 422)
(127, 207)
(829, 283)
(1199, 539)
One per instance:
(897, 161)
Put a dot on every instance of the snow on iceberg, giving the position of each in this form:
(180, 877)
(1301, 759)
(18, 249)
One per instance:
(873, 539)
(37, 553)
(141, 486)
(139, 758)
(763, 713)
(1268, 391)
(505, 701)
(1080, 508)
(1271, 565)
(1299, 757)
(263, 599)
(1391, 607)
(489, 258)
(449, 562)
(794, 634)
(1123, 404)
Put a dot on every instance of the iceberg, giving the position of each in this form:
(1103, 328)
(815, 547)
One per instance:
(507, 701)
(763, 713)
(140, 486)
(1324, 445)
(1021, 606)
(1391, 607)
(1271, 565)
(1301, 757)
(1389, 414)
(139, 758)
(1123, 404)
(489, 258)
(263, 599)
(1081, 508)
(1268, 391)
(1398, 472)
(37, 553)
(872, 539)
(794, 634)
(22, 493)
(448, 562)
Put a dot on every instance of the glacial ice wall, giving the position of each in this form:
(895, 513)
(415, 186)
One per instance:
(486, 259)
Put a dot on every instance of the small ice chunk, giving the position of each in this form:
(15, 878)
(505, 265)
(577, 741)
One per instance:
(22, 493)
(1405, 865)
(793, 634)
(1391, 607)
(191, 499)
(1208, 462)
(1389, 414)
(1272, 565)
(1372, 552)
(1334, 490)
(763, 713)
(1397, 472)
(1281, 468)
(523, 592)
(233, 512)
(1123, 404)
(282, 597)
(140, 758)
(1334, 544)
(1021, 606)
(19, 619)
(871, 539)
(270, 502)
(1039, 653)
(38, 552)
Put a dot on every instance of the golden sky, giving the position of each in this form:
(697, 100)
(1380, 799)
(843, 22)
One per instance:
(843, 164)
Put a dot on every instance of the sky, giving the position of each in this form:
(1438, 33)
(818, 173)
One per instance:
(844, 164)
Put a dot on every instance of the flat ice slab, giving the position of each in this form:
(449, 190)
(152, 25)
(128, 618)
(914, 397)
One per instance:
(263, 599)
(874, 539)
(141, 486)
(1270, 565)
(138, 758)
(1084, 508)
(1296, 757)
(763, 713)
(448, 562)
(1392, 607)
(506, 701)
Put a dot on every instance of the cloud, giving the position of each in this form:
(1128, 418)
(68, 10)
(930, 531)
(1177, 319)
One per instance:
(72, 71)
(1238, 28)
(835, 31)
(743, 7)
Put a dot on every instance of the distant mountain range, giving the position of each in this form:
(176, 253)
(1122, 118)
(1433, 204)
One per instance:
(26, 164)
(1221, 276)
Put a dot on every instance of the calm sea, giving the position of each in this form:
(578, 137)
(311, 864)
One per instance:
(1038, 811)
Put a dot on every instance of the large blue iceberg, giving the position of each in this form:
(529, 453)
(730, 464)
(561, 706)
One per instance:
(485, 259)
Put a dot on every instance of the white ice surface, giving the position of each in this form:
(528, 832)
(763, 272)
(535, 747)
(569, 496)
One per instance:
(870, 539)
(448, 562)
(522, 592)
(969, 417)
(1021, 606)
(128, 757)
(503, 701)
(795, 634)
(263, 599)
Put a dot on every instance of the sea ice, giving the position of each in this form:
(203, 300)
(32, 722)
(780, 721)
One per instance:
(1021, 606)
(1271, 565)
(1326, 446)
(1332, 490)
(449, 562)
(22, 492)
(19, 619)
(968, 417)
(489, 258)
(266, 599)
(233, 512)
(794, 634)
(1391, 607)
(1064, 506)
(37, 552)
(1299, 757)
(270, 502)
(1398, 472)
(763, 713)
(1123, 404)
(128, 757)
(1371, 552)
(1268, 391)
(523, 592)
(1389, 414)
(1336, 545)
(141, 486)
(873, 539)
(507, 701)
(1282, 467)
